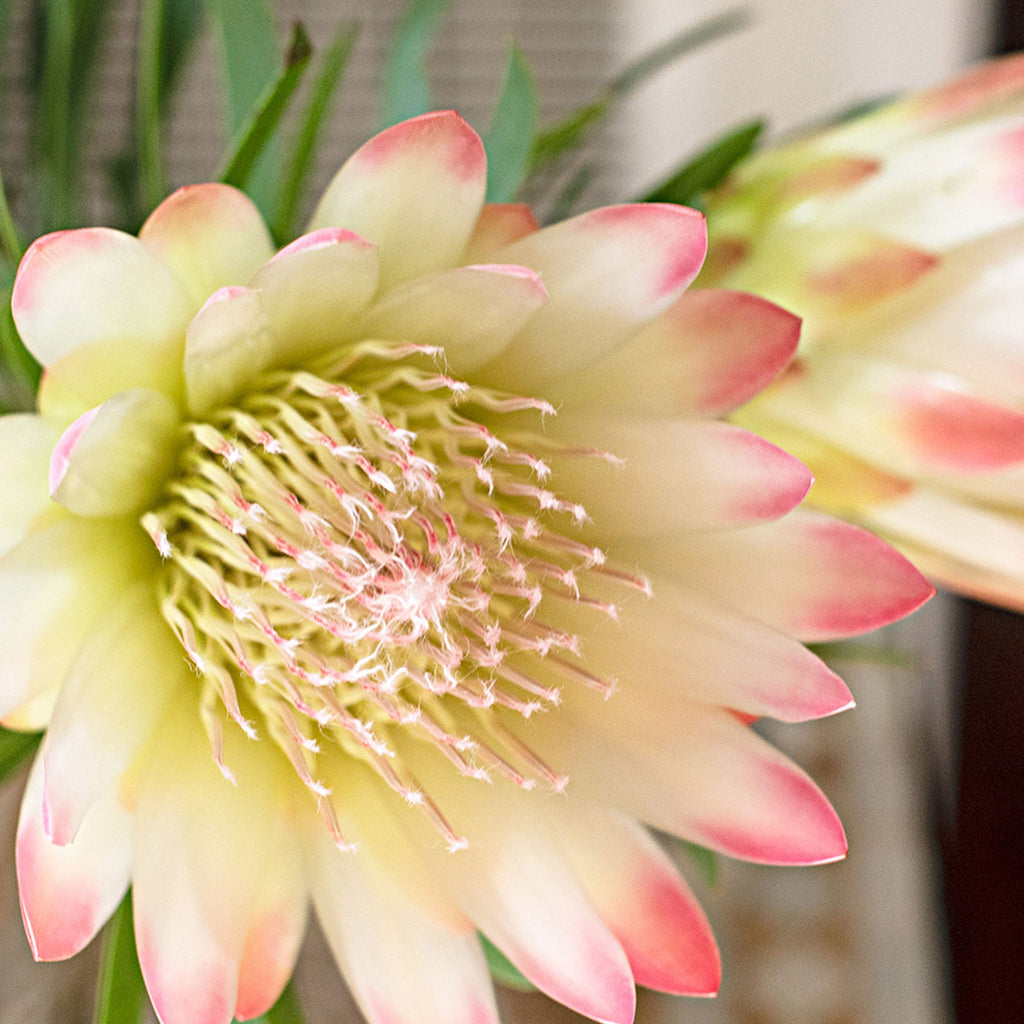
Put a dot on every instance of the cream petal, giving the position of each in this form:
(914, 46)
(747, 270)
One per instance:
(26, 442)
(67, 892)
(515, 883)
(314, 289)
(210, 235)
(682, 646)
(608, 272)
(706, 777)
(127, 670)
(114, 459)
(709, 353)
(216, 871)
(472, 312)
(402, 965)
(55, 586)
(498, 224)
(229, 341)
(811, 576)
(642, 898)
(415, 190)
(100, 298)
(673, 475)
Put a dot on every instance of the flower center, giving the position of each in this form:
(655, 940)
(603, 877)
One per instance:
(353, 559)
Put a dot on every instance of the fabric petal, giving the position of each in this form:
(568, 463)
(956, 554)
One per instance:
(114, 459)
(642, 898)
(68, 892)
(415, 190)
(55, 585)
(472, 312)
(608, 273)
(210, 235)
(673, 475)
(26, 442)
(127, 670)
(709, 353)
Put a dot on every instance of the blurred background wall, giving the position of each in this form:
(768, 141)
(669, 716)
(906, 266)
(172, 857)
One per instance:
(861, 942)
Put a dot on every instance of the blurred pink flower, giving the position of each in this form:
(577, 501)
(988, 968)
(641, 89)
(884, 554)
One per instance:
(899, 238)
(314, 512)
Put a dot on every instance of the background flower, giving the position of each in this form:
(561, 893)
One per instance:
(302, 520)
(897, 236)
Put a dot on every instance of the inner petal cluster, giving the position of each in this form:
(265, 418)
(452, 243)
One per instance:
(357, 558)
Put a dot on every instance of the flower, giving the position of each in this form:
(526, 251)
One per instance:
(314, 513)
(899, 238)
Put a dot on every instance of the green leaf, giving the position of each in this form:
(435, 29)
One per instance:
(509, 142)
(10, 242)
(570, 133)
(285, 1011)
(315, 117)
(708, 169)
(405, 91)
(703, 859)
(120, 992)
(15, 747)
(866, 653)
(571, 193)
(502, 969)
(253, 136)
(182, 23)
(19, 372)
(148, 134)
(247, 37)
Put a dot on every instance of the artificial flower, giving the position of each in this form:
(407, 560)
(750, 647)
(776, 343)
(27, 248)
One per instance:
(897, 236)
(321, 599)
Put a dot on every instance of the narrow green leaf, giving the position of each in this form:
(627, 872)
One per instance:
(19, 372)
(570, 133)
(310, 130)
(405, 91)
(253, 136)
(15, 747)
(509, 142)
(182, 24)
(120, 992)
(502, 969)
(865, 653)
(248, 41)
(10, 242)
(708, 169)
(149, 137)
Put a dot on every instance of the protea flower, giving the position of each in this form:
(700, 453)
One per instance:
(899, 238)
(320, 599)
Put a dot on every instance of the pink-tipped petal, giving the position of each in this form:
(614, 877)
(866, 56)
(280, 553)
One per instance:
(706, 777)
(314, 289)
(709, 353)
(26, 442)
(643, 899)
(810, 576)
(53, 588)
(229, 341)
(210, 235)
(608, 272)
(471, 312)
(516, 884)
(113, 459)
(67, 892)
(415, 190)
(675, 475)
(126, 672)
(373, 928)
(683, 646)
(499, 224)
(213, 863)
